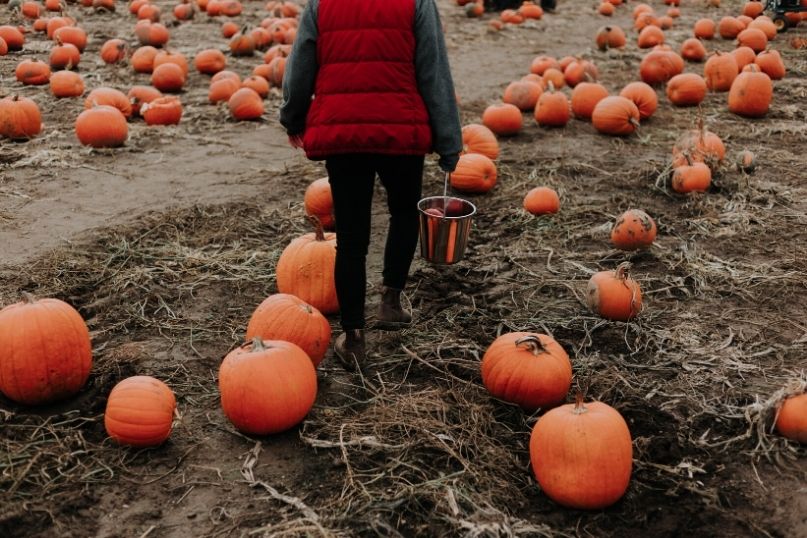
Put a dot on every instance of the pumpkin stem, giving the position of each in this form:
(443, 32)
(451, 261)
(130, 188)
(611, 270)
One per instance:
(257, 344)
(318, 231)
(688, 157)
(634, 122)
(533, 343)
(579, 406)
(622, 270)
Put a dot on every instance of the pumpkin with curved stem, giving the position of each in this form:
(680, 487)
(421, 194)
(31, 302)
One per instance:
(20, 118)
(542, 201)
(162, 111)
(691, 177)
(267, 386)
(140, 95)
(580, 71)
(143, 59)
(168, 77)
(140, 412)
(503, 119)
(720, 71)
(693, 50)
(686, 89)
(522, 94)
(32, 72)
(791, 418)
(210, 61)
(753, 38)
(633, 230)
(12, 36)
(743, 56)
(582, 455)
(705, 29)
(66, 84)
(650, 36)
(286, 317)
(474, 173)
(614, 295)
(528, 369)
(643, 96)
(113, 51)
(45, 351)
(699, 145)
(223, 89)
(318, 201)
(751, 93)
(770, 63)
(553, 109)
(111, 97)
(542, 63)
(306, 269)
(585, 97)
(479, 139)
(102, 126)
(616, 115)
(245, 104)
(64, 57)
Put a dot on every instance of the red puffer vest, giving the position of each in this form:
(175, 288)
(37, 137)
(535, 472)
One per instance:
(366, 98)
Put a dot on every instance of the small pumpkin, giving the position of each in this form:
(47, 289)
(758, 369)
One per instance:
(229, 29)
(64, 57)
(66, 84)
(650, 36)
(542, 63)
(54, 23)
(20, 118)
(580, 71)
(12, 36)
(585, 97)
(30, 10)
(306, 269)
(242, 44)
(71, 35)
(162, 111)
(606, 8)
(730, 27)
(643, 96)
(751, 93)
(114, 51)
(210, 61)
(770, 63)
(523, 94)
(259, 84)
(267, 386)
(542, 201)
(474, 9)
(221, 75)
(503, 119)
(614, 295)
(616, 115)
(3, 47)
(582, 455)
(474, 173)
(168, 77)
(140, 95)
(167, 57)
(743, 56)
(143, 59)
(553, 76)
(553, 109)
(245, 104)
(765, 25)
(529, 10)
(633, 230)
(276, 51)
(791, 419)
(152, 33)
(686, 89)
(704, 29)
(274, 72)
(720, 71)
(318, 201)
(479, 139)
(32, 72)
(753, 38)
(530, 370)
(110, 97)
(753, 9)
(102, 126)
(223, 89)
(659, 66)
(286, 317)
(692, 177)
(45, 351)
(140, 412)
(184, 11)
(693, 50)
(746, 161)
(699, 145)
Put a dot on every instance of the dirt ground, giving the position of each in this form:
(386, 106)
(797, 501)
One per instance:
(167, 245)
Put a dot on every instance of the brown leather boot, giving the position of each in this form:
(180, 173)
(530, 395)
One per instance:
(391, 315)
(350, 350)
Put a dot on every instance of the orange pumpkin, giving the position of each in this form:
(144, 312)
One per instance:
(242, 45)
(580, 71)
(66, 84)
(110, 97)
(183, 12)
(148, 12)
(210, 61)
(729, 27)
(614, 295)
(259, 84)
(140, 95)
(229, 29)
(770, 63)
(582, 455)
(523, 94)
(555, 77)
(274, 71)
(102, 126)
(753, 9)
(633, 230)
(54, 23)
(13, 38)
(542, 201)
(720, 71)
(267, 386)
(553, 109)
(743, 56)
(162, 111)
(530, 370)
(245, 104)
(692, 177)
(585, 97)
(114, 51)
(168, 77)
(686, 89)
(143, 59)
(753, 38)
(318, 201)
(643, 96)
(542, 63)
(530, 10)
(504, 119)
(699, 145)
(606, 8)
(751, 93)
(64, 57)
(479, 139)
(221, 90)
(705, 29)
(154, 34)
(650, 36)
(765, 25)
(71, 35)
(45, 351)
(509, 16)
(276, 51)
(140, 412)
(659, 66)
(746, 161)
(20, 118)
(286, 317)
(474, 173)
(166, 57)
(616, 115)
(32, 72)
(221, 75)
(305, 269)
(693, 50)
(474, 9)
(30, 10)
(791, 419)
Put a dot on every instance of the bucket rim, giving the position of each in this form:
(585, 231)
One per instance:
(466, 216)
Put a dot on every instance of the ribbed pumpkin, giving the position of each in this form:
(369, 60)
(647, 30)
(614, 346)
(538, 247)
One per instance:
(162, 111)
(650, 36)
(479, 139)
(643, 96)
(143, 59)
(528, 369)
(693, 50)
(633, 230)
(791, 419)
(686, 89)
(140, 412)
(32, 72)
(245, 104)
(71, 35)
(102, 126)
(114, 51)
(659, 66)
(770, 63)
(504, 119)
(720, 71)
(210, 61)
(66, 84)
(168, 77)
(20, 118)
(64, 57)
(267, 386)
(743, 56)
(286, 317)
(474, 173)
(751, 93)
(692, 177)
(12, 36)
(318, 202)
(45, 351)
(542, 201)
(704, 29)
(553, 109)
(580, 71)
(616, 115)
(699, 145)
(614, 295)
(585, 97)
(140, 95)
(306, 269)
(753, 38)
(523, 94)
(111, 97)
(582, 455)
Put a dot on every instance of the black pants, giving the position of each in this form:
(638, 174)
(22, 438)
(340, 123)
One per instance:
(352, 179)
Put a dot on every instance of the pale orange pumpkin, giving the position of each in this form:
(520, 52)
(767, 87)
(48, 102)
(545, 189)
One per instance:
(692, 177)
(162, 111)
(66, 84)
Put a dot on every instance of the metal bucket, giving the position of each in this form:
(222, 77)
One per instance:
(443, 238)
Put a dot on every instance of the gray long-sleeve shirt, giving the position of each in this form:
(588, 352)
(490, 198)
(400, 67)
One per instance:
(432, 71)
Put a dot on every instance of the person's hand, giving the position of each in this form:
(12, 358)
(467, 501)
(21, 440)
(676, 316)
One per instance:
(448, 163)
(296, 141)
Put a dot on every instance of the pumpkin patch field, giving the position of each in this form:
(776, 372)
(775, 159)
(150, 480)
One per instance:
(621, 352)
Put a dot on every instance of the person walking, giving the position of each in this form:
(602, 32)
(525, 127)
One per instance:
(367, 88)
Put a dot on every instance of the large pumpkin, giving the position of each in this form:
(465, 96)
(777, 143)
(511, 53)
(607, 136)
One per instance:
(20, 118)
(479, 139)
(102, 126)
(528, 369)
(474, 173)
(585, 97)
(318, 201)
(140, 412)
(267, 386)
(582, 455)
(286, 317)
(643, 96)
(504, 119)
(751, 93)
(306, 267)
(616, 115)
(45, 351)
